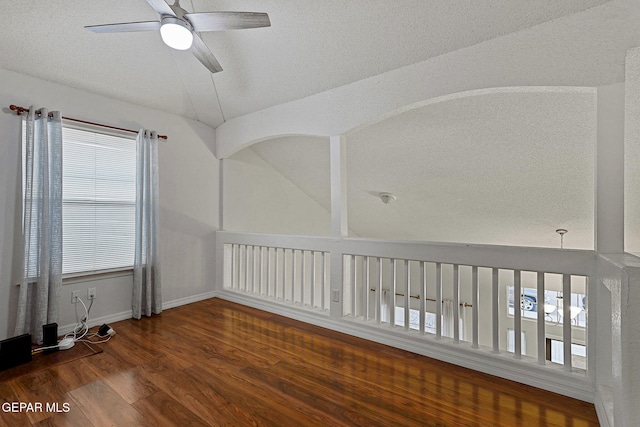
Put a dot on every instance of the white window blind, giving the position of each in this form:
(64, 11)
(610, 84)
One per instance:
(99, 193)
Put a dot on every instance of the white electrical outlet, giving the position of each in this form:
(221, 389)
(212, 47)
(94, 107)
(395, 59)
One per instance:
(74, 297)
(91, 293)
(335, 295)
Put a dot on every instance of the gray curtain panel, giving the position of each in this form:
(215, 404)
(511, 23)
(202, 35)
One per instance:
(41, 284)
(147, 287)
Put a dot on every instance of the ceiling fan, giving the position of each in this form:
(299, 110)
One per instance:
(178, 28)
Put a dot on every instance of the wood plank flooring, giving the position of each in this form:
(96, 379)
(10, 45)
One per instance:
(215, 363)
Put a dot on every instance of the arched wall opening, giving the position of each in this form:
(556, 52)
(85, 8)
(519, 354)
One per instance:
(502, 166)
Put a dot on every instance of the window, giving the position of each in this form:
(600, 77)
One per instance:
(98, 206)
(553, 306)
(511, 341)
(429, 321)
(555, 353)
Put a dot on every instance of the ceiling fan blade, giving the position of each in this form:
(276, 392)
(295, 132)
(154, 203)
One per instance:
(218, 21)
(204, 55)
(125, 27)
(161, 7)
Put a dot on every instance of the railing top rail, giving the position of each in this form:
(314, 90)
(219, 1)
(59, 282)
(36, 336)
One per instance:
(549, 260)
(311, 243)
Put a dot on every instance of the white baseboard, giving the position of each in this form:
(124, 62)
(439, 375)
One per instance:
(604, 405)
(97, 321)
(551, 378)
(124, 315)
(188, 300)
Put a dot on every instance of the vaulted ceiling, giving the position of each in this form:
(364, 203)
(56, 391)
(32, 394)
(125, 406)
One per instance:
(315, 46)
(312, 46)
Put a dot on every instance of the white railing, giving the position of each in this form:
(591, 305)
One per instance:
(451, 301)
(294, 274)
(454, 301)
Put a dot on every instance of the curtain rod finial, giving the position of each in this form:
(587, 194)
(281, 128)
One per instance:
(18, 110)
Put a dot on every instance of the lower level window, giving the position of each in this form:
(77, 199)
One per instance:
(555, 353)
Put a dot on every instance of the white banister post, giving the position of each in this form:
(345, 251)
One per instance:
(626, 339)
(219, 260)
(221, 194)
(566, 321)
(339, 223)
(338, 165)
(221, 273)
(517, 313)
(609, 191)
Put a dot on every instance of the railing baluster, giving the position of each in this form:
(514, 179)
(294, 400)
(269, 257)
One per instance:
(542, 343)
(353, 286)
(407, 295)
(276, 265)
(260, 267)
(246, 268)
(284, 273)
(313, 278)
(423, 296)
(237, 267)
(254, 270)
(365, 288)
(438, 300)
(274, 287)
(517, 313)
(495, 318)
(240, 270)
(379, 293)
(456, 304)
(566, 320)
(475, 308)
(233, 266)
(294, 268)
(268, 287)
(302, 275)
(392, 302)
(240, 267)
(324, 281)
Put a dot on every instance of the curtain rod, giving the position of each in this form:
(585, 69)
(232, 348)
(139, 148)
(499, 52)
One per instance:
(20, 110)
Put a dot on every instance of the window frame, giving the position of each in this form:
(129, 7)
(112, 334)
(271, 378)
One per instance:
(74, 277)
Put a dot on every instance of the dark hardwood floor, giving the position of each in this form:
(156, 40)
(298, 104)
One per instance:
(218, 363)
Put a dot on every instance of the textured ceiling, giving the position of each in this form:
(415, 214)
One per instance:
(312, 46)
(504, 168)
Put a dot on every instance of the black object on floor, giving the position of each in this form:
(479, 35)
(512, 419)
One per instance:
(50, 337)
(15, 351)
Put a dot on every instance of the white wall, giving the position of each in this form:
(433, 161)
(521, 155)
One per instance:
(258, 199)
(188, 197)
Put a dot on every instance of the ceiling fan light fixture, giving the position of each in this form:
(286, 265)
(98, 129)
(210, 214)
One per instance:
(176, 33)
